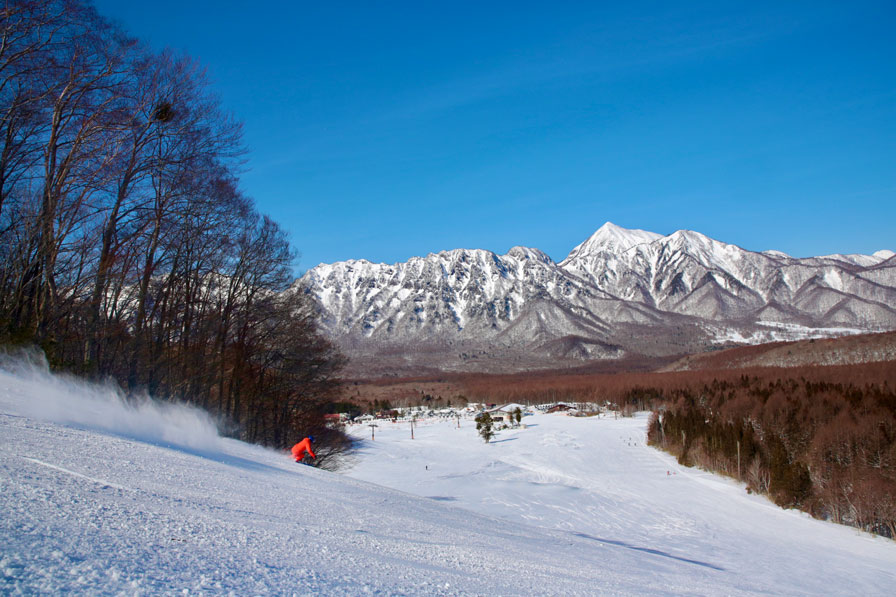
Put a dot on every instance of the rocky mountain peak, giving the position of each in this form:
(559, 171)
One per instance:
(526, 253)
(611, 238)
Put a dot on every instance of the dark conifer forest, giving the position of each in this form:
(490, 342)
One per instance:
(127, 249)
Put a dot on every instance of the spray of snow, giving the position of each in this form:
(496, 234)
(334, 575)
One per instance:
(104, 407)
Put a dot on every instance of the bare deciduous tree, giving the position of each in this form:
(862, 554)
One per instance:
(128, 250)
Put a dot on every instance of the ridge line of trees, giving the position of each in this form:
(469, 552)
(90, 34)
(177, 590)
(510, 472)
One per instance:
(127, 249)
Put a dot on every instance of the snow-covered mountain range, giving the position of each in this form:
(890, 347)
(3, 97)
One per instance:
(620, 292)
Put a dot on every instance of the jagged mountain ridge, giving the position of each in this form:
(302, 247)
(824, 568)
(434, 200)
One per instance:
(619, 292)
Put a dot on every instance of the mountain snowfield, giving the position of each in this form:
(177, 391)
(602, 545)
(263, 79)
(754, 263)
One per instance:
(102, 496)
(619, 292)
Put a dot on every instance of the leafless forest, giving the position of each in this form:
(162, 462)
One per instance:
(127, 250)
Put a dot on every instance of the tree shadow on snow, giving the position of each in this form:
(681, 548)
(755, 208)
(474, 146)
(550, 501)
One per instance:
(655, 552)
(509, 439)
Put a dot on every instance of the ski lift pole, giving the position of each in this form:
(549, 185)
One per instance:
(372, 430)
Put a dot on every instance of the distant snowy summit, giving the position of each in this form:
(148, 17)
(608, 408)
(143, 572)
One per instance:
(620, 292)
(611, 238)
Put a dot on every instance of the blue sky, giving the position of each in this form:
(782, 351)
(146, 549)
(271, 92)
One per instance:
(388, 130)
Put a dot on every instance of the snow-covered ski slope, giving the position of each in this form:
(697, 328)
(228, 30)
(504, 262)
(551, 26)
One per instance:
(101, 498)
(674, 529)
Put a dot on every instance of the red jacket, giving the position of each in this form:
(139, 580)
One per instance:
(298, 450)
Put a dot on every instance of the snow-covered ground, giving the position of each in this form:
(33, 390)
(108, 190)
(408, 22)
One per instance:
(678, 529)
(777, 332)
(99, 497)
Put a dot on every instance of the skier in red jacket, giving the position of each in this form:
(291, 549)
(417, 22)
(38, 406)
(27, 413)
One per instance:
(299, 450)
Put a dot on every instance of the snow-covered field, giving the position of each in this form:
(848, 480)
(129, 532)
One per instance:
(97, 497)
(674, 528)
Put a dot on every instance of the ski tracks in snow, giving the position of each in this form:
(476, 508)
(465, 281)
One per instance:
(100, 482)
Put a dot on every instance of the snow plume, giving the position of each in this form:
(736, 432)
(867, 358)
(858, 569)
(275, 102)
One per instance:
(65, 399)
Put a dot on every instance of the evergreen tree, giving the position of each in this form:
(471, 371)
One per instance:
(484, 426)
